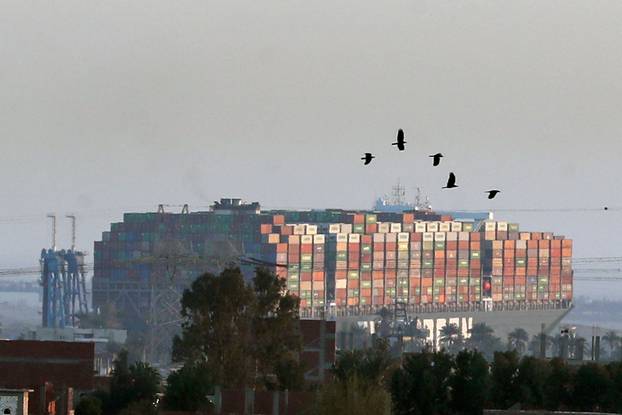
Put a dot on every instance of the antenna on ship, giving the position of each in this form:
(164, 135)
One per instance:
(421, 204)
(399, 194)
(418, 198)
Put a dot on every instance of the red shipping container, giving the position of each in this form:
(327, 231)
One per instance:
(416, 237)
(371, 228)
(353, 301)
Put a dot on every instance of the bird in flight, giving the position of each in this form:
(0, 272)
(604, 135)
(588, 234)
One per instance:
(400, 140)
(451, 182)
(437, 159)
(367, 158)
(493, 193)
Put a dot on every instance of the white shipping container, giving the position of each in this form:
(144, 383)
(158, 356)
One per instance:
(396, 227)
(428, 236)
(420, 227)
(311, 229)
(463, 236)
(456, 226)
(432, 226)
(334, 228)
(490, 226)
(346, 228)
(299, 229)
(383, 227)
(452, 236)
(354, 237)
(502, 226)
(444, 227)
(439, 236)
(342, 237)
(403, 237)
(339, 283)
(319, 239)
(391, 237)
(306, 239)
(379, 237)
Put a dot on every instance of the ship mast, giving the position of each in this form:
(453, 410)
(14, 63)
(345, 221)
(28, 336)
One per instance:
(399, 194)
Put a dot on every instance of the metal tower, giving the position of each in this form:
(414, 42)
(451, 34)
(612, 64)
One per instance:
(64, 287)
(63, 277)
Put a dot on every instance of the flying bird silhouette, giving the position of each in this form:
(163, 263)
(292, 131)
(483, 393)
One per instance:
(367, 158)
(437, 159)
(492, 193)
(451, 182)
(400, 140)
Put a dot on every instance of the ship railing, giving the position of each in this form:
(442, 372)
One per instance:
(333, 312)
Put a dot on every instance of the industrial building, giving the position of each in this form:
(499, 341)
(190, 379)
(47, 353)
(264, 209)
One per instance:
(53, 372)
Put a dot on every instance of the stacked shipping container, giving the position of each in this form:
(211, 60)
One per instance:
(367, 262)
(352, 258)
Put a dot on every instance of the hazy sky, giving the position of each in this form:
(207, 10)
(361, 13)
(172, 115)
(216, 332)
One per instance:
(114, 105)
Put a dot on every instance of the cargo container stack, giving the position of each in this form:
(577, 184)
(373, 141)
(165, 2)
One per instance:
(362, 260)
(378, 258)
(414, 266)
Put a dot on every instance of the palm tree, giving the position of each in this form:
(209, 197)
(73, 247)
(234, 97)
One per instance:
(482, 339)
(451, 338)
(418, 334)
(359, 336)
(534, 345)
(576, 345)
(384, 325)
(517, 340)
(612, 340)
(556, 343)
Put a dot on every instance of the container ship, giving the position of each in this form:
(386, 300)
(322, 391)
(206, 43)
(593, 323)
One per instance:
(346, 265)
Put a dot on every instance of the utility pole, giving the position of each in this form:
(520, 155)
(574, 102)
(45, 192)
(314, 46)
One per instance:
(73, 231)
(53, 217)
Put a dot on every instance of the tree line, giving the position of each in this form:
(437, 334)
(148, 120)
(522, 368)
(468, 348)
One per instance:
(441, 383)
(238, 334)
